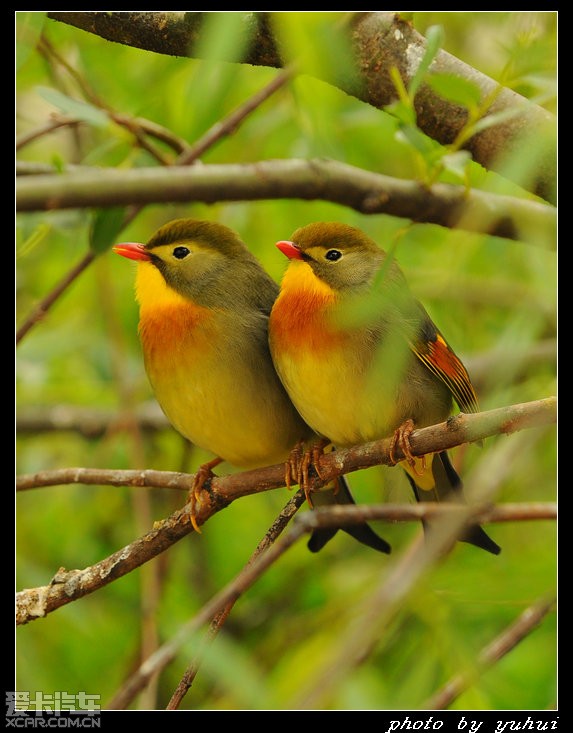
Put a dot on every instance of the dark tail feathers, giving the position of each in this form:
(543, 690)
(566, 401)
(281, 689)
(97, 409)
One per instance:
(449, 487)
(361, 532)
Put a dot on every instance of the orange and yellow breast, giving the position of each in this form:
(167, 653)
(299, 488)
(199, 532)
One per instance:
(211, 377)
(301, 318)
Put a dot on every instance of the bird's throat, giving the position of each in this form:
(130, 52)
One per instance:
(302, 316)
(167, 320)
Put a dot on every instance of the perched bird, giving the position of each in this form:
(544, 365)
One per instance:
(360, 357)
(204, 303)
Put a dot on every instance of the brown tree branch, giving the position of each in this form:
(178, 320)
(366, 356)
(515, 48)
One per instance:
(41, 309)
(374, 612)
(381, 41)
(496, 650)
(187, 156)
(292, 506)
(457, 430)
(327, 180)
(367, 626)
(89, 422)
(93, 422)
(67, 586)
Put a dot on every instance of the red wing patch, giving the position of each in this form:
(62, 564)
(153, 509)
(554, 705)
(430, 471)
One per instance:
(437, 356)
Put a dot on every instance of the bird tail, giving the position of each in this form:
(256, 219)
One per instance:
(441, 483)
(363, 533)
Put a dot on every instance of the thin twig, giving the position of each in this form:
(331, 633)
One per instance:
(229, 594)
(374, 612)
(370, 619)
(493, 652)
(219, 619)
(55, 124)
(229, 124)
(225, 127)
(40, 310)
(67, 586)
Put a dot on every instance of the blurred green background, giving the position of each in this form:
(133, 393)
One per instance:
(494, 299)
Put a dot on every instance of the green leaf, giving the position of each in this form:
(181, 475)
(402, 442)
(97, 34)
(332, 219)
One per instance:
(317, 44)
(434, 41)
(457, 162)
(37, 236)
(415, 138)
(28, 29)
(223, 37)
(74, 107)
(455, 89)
(402, 111)
(107, 224)
(496, 119)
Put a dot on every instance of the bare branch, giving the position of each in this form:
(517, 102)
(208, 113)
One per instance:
(42, 308)
(457, 430)
(219, 619)
(381, 41)
(328, 180)
(373, 614)
(56, 122)
(187, 156)
(497, 649)
(67, 586)
(90, 422)
(93, 422)
(367, 626)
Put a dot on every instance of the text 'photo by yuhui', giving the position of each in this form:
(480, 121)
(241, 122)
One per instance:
(286, 360)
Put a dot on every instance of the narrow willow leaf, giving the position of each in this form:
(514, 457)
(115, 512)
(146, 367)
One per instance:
(496, 119)
(106, 225)
(416, 139)
(434, 41)
(74, 107)
(457, 162)
(455, 89)
(28, 29)
(37, 236)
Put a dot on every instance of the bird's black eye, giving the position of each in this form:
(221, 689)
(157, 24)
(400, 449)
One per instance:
(180, 253)
(333, 255)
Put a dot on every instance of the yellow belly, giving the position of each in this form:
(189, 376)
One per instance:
(331, 397)
(218, 391)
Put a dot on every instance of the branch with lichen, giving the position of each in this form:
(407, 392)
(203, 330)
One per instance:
(67, 586)
(383, 44)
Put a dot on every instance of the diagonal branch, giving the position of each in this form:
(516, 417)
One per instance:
(219, 619)
(67, 586)
(415, 560)
(328, 180)
(495, 650)
(381, 41)
(187, 156)
(374, 612)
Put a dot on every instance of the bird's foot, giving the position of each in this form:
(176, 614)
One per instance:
(298, 464)
(401, 439)
(204, 473)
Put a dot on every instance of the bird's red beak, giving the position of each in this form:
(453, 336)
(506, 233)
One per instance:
(132, 250)
(290, 250)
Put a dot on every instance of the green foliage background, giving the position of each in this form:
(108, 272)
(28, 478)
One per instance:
(492, 298)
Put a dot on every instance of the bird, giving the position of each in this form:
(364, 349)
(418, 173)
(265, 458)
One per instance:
(204, 303)
(360, 357)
